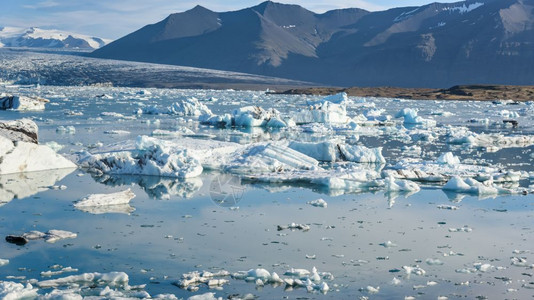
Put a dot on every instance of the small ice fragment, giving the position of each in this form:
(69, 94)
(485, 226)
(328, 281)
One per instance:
(448, 207)
(414, 270)
(395, 281)
(388, 244)
(372, 290)
(434, 262)
(4, 262)
(318, 203)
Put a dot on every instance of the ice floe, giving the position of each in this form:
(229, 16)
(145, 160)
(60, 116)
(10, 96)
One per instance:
(107, 203)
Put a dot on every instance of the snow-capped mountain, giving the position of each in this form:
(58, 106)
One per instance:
(434, 45)
(45, 38)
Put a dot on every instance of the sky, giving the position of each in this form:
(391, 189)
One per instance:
(113, 19)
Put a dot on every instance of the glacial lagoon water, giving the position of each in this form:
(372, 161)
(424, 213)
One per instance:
(468, 245)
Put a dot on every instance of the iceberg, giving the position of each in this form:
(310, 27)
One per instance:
(19, 157)
(322, 111)
(22, 102)
(150, 157)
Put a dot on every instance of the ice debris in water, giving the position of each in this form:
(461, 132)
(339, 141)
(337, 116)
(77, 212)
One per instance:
(312, 281)
(150, 157)
(4, 262)
(330, 110)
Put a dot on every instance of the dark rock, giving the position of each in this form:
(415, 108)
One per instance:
(17, 240)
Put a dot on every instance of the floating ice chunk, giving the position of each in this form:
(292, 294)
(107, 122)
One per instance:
(362, 154)
(28, 157)
(471, 186)
(66, 130)
(151, 157)
(414, 270)
(107, 203)
(395, 281)
(24, 130)
(448, 207)
(318, 203)
(54, 235)
(433, 262)
(394, 185)
(294, 226)
(461, 229)
(22, 102)
(410, 117)
(112, 279)
(388, 244)
(324, 151)
(4, 262)
(122, 197)
(372, 290)
(278, 122)
(12, 291)
(483, 267)
(54, 146)
(261, 274)
(448, 158)
(178, 132)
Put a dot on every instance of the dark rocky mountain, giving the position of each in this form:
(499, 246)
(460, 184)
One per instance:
(435, 45)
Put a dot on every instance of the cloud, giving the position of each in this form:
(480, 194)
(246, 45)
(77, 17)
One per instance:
(42, 4)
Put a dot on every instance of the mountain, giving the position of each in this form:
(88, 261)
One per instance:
(41, 38)
(435, 45)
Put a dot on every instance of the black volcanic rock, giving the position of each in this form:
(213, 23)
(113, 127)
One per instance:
(435, 45)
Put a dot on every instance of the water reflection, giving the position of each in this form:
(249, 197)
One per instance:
(160, 188)
(22, 185)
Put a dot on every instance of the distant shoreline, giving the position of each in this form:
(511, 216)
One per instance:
(459, 92)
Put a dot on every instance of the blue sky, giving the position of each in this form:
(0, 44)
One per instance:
(115, 18)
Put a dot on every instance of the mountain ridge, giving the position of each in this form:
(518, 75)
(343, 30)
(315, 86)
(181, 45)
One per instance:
(34, 37)
(434, 45)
